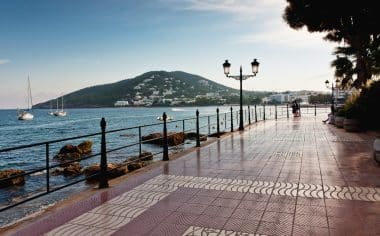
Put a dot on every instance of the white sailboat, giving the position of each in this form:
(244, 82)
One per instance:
(60, 112)
(51, 109)
(26, 114)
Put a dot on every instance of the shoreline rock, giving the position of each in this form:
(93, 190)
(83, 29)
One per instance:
(18, 181)
(174, 138)
(72, 169)
(135, 166)
(114, 170)
(71, 152)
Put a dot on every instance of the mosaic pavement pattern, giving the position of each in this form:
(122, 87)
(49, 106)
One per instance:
(290, 177)
(111, 216)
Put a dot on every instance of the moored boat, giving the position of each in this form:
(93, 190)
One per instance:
(27, 115)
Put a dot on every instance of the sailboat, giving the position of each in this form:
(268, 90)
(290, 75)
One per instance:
(60, 112)
(26, 114)
(51, 109)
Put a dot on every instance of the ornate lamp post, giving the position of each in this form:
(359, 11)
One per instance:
(337, 81)
(241, 77)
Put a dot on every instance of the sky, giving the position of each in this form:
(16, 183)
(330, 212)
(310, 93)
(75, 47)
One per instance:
(68, 45)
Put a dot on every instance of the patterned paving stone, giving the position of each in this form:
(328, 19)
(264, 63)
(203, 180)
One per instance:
(202, 231)
(80, 230)
(293, 176)
(269, 228)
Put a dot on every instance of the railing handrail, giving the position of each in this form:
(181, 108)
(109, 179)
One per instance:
(229, 119)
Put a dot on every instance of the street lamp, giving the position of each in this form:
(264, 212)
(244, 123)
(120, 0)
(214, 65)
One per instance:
(337, 81)
(241, 77)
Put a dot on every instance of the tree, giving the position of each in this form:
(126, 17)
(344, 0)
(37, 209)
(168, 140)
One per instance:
(320, 98)
(356, 23)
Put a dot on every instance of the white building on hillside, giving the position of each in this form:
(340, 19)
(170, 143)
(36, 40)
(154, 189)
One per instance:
(121, 103)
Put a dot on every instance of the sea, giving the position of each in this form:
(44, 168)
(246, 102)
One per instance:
(45, 127)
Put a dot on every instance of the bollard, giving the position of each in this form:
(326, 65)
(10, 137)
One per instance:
(255, 114)
(47, 167)
(232, 121)
(208, 122)
(103, 180)
(315, 109)
(264, 112)
(140, 141)
(165, 156)
(249, 115)
(198, 141)
(287, 110)
(275, 111)
(225, 121)
(217, 123)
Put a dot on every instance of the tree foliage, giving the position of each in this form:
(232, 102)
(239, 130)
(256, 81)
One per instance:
(320, 99)
(356, 23)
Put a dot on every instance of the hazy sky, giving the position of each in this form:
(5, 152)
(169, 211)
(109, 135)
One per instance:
(66, 45)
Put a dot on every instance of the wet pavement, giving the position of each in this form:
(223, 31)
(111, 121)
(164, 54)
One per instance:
(293, 176)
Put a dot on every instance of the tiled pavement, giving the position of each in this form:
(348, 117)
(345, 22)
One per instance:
(290, 177)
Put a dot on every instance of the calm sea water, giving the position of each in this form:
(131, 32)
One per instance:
(79, 122)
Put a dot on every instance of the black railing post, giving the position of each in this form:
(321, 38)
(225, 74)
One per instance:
(299, 110)
(140, 141)
(249, 115)
(232, 121)
(183, 127)
(217, 123)
(275, 111)
(225, 121)
(165, 156)
(47, 168)
(198, 144)
(103, 180)
(287, 110)
(264, 112)
(255, 114)
(208, 122)
(315, 109)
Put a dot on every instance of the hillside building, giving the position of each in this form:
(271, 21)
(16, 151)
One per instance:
(121, 103)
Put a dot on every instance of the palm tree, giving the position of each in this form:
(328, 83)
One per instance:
(356, 70)
(354, 22)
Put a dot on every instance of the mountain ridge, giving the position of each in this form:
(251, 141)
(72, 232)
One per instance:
(155, 88)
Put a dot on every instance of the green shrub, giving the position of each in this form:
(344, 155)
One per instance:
(341, 112)
(351, 107)
(369, 105)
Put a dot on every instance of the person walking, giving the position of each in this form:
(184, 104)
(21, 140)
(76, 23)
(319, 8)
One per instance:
(294, 108)
(297, 109)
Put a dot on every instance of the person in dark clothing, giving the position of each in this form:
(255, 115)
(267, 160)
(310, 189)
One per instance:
(294, 108)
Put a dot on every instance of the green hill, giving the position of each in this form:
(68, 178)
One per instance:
(156, 88)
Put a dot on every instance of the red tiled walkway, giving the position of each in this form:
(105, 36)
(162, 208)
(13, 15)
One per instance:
(290, 177)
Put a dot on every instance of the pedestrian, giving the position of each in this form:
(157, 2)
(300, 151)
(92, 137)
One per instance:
(297, 108)
(294, 108)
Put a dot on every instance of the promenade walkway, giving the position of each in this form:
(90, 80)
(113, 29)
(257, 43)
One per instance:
(293, 176)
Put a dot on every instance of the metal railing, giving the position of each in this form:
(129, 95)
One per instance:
(204, 125)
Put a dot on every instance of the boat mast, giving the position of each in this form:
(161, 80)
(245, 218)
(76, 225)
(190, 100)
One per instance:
(62, 103)
(30, 95)
(27, 93)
